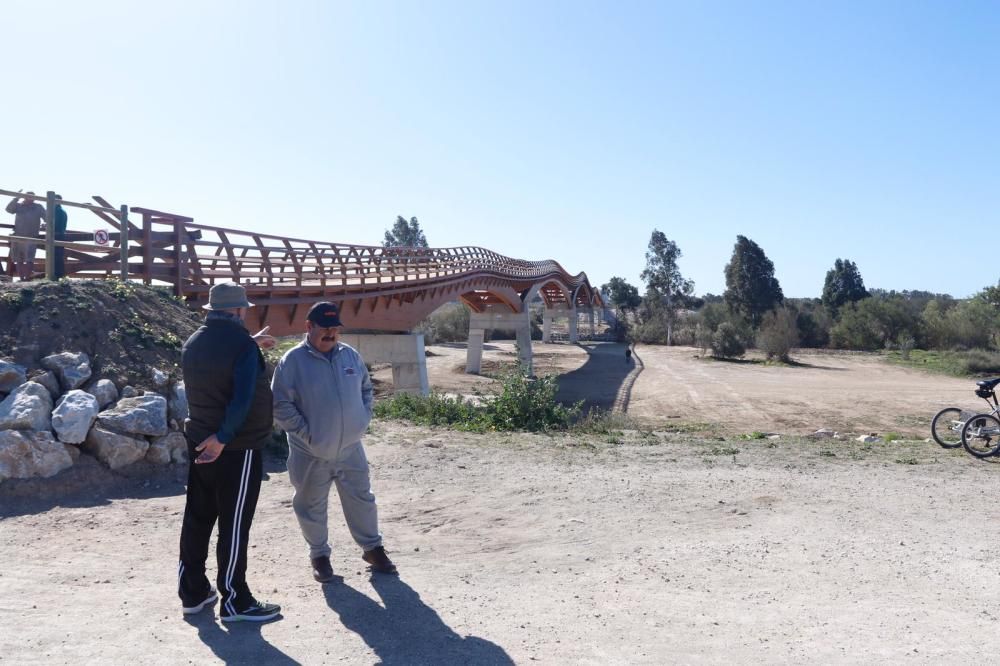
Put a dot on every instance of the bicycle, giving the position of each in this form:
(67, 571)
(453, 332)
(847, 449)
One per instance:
(981, 433)
(948, 425)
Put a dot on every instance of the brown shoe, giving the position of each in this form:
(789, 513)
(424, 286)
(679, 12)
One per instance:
(379, 560)
(322, 570)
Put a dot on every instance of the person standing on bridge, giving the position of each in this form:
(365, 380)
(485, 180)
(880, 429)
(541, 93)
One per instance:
(323, 401)
(28, 216)
(229, 422)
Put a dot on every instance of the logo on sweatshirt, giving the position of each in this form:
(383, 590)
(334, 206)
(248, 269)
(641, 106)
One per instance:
(348, 371)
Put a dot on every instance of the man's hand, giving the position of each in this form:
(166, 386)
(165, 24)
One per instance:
(210, 448)
(263, 340)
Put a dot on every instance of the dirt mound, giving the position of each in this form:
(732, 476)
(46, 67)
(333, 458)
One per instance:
(127, 329)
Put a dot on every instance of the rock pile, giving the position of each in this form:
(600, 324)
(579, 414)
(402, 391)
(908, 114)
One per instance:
(49, 417)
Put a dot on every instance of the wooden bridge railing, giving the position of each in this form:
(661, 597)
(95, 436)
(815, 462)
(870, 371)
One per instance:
(173, 249)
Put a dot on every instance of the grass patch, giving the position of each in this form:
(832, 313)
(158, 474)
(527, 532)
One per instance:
(724, 451)
(522, 404)
(756, 434)
(907, 461)
(973, 362)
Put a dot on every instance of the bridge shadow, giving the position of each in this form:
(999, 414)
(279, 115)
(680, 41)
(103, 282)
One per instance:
(601, 381)
(403, 630)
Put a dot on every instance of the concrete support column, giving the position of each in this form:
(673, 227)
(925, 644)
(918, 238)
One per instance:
(474, 351)
(574, 335)
(590, 322)
(546, 325)
(405, 352)
(479, 322)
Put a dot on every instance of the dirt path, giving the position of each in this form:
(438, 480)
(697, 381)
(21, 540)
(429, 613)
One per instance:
(536, 549)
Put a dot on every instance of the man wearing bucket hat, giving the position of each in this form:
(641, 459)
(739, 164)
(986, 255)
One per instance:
(323, 401)
(229, 422)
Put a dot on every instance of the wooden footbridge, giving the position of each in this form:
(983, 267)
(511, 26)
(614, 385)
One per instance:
(378, 289)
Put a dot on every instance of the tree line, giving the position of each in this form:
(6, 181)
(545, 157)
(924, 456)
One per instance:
(754, 312)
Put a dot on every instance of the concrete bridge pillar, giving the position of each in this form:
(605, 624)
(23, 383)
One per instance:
(480, 322)
(405, 352)
(590, 322)
(474, 351)
(546, 325)
(574, 320)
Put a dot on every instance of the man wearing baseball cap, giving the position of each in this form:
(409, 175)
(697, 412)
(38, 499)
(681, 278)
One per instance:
(229, 422)
(323, 401)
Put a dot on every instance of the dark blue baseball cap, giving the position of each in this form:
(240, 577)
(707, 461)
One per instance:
(325, 314)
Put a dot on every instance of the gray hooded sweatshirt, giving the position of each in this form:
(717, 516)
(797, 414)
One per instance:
(323, 405)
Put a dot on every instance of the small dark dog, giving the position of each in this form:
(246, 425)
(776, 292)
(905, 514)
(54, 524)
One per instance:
(628, 354)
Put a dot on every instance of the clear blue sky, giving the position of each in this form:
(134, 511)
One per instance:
(565, 130)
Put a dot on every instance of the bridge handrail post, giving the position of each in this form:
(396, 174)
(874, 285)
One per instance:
(50, 235)
(147, 248)
(178, 258)
(123, 231)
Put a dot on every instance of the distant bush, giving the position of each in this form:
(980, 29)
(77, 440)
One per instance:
(727, 342)
(449, 323)
(778, 334)
(978, 361)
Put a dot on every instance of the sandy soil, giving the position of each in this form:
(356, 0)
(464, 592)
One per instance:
(628, 547)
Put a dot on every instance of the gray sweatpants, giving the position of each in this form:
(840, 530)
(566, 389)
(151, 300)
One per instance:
(312, 478)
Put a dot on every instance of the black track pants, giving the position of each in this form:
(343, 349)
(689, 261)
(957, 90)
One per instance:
(225, 490)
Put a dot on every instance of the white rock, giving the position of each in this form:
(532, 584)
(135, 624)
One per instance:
(142, 415)
(105, 391)
(28, 454)
(868, 439)
(824, 433)
(74, 414)
(12, 375)
(160, 378)
(169, 448)
(29, 407)
(178, 402)
(130, 392)
(49, 381)
(73, 369)
(114, 450)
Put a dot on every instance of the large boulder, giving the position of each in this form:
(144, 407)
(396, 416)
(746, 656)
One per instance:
(12, 375)
(49, 380)
(73, 369)
(74, 414)
(130, 392)
(115, 450)
(27, 454)
(29, 407)
(178, 403)
(169, 448)
(142, 415)
(105, 391)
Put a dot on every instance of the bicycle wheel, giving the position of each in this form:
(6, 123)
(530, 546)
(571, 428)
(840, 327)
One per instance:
(981, 435)
(946, 428)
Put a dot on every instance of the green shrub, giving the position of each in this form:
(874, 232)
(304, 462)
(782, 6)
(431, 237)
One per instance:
(727, 342)
(523, 404)
(979, 361)
(433, 409)
(529, 404)
(778, 334)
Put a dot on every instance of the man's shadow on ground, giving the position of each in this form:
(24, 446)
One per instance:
(237, 643)
(406, 631)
